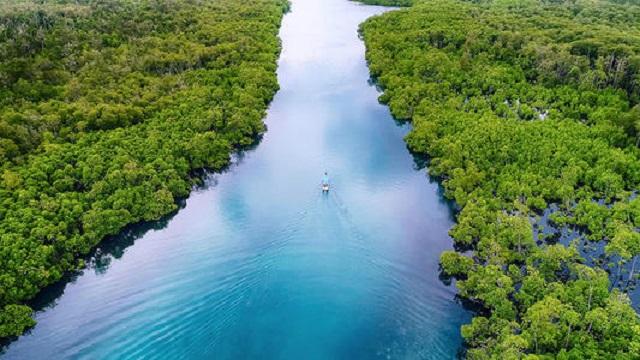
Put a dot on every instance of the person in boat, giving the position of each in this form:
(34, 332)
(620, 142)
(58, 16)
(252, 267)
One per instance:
(325, 182)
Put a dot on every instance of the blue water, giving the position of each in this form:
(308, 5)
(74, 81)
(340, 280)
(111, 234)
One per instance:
(260, 264)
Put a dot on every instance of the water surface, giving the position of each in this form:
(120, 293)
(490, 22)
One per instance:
(261, 264)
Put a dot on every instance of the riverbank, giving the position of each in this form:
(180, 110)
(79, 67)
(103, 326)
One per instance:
(509, 131)
(260, 264)
(119, 113)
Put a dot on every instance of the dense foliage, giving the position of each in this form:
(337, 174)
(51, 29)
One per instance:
(106, 109)
(520, 105)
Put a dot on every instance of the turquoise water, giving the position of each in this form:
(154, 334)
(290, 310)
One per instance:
(261, 264)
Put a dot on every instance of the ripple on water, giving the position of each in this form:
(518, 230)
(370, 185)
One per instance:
(261, 264)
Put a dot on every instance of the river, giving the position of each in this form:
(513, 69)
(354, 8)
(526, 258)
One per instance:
(261, 264)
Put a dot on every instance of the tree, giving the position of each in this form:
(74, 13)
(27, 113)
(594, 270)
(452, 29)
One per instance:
(14, 320)
(519, 107)
(455, 264)
(105, 118)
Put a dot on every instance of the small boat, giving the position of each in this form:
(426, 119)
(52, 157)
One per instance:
(325, 183)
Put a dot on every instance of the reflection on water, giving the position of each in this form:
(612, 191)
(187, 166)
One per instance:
(622, 274)
(261, 264)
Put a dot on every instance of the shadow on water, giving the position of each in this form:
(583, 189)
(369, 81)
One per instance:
(421, 162)
(622, 275)
(204, 179)
(98, 260)
(351, 293)
(101, 257)
(114, 247)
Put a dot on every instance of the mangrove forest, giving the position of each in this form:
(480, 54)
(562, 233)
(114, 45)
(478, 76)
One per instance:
(523, 106)
(107, 111)
(480, 166)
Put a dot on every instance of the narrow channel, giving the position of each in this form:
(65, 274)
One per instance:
(261, 264)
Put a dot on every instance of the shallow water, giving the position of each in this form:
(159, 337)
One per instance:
(261, 264)
(593, 252)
